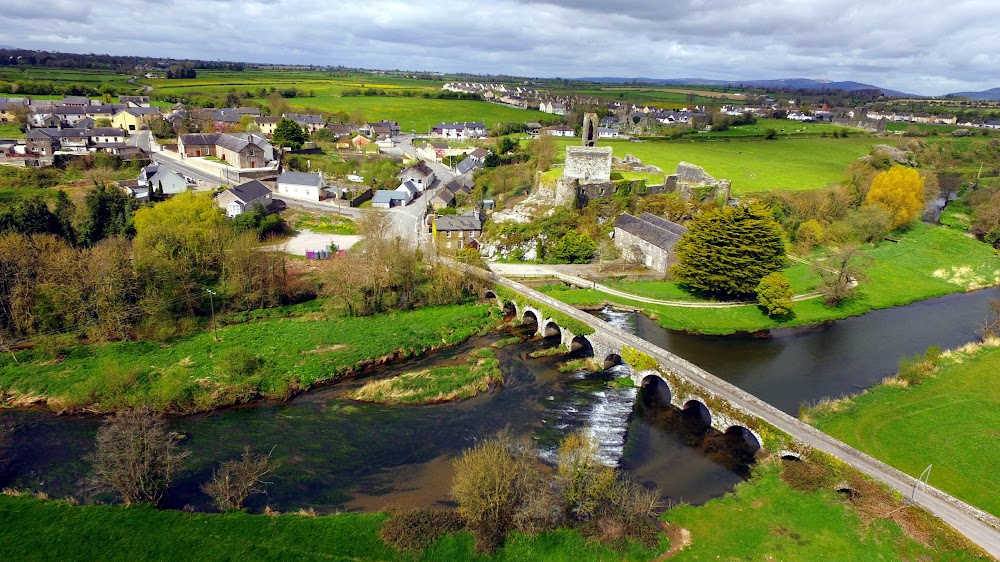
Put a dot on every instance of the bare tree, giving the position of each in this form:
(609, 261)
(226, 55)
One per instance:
(846, 270)
(236, 480)
(990, 326)
(136, 457)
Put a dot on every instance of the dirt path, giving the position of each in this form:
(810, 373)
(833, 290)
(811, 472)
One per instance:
(680, 539)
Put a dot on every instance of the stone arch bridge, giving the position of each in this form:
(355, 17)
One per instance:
(731, 410)
(609, 349)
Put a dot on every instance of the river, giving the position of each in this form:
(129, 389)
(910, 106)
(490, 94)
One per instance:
(338, 454)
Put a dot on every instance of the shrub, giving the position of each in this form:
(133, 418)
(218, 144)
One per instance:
(417, 529)
(808, 235)
(806, 475)
(774, 293)
(236, 480)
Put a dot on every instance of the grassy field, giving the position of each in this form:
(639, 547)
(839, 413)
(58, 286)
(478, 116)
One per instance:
(326, 224)
(440, 384)
(765, 519)
(784, 128)
(928, 262)
(949, 420)
(414, 114)
(40, 530)
(66, 76)
(752, 165)
(271, 357)
(9, 131)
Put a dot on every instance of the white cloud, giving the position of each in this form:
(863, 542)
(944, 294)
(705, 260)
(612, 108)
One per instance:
(919, 46)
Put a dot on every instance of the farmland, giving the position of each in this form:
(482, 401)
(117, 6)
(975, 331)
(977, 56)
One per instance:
(324, 92)
(753, 165)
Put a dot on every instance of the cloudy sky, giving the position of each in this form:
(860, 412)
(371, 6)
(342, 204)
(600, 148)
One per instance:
(926, 47)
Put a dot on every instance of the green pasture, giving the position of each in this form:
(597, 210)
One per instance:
(927, 262)
(752, 165)
(949, 420)
(265, 356)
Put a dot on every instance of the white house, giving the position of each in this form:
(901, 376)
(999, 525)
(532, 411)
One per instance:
(559, 131)
(462, 130)
(607, 133)
(239, 199)
(301, 185)
(420, 174)
(156, 177)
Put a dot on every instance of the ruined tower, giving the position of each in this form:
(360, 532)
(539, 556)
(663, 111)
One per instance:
(589, 134)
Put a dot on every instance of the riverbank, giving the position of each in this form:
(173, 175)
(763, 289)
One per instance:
(948, 420)
(272, 358)
(787, 523)
(927, 262)
(479, 373)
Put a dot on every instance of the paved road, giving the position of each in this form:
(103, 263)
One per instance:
(534, 270)
(966, 519)
(183, 169)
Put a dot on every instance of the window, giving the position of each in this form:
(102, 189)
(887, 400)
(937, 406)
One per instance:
(449, 232)
(461, 233)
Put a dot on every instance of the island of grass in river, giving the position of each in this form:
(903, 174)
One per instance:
(271, 357)
(480, 372)
(927, 262)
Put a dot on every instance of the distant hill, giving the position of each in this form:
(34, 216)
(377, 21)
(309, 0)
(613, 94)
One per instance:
(788, 83)
(991, 94)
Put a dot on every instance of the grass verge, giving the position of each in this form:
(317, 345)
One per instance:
(949, 420)
(480, 372)
(54, 530)
(766, 519)
(269, 357)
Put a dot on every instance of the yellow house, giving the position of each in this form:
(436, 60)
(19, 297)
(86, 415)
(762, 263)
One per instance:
(133, 118)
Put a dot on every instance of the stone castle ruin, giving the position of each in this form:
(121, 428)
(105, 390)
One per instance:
(586, 176)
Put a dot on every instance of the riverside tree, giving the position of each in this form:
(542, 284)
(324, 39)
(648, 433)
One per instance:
(900, 191)
(136, 457)
(727, 251)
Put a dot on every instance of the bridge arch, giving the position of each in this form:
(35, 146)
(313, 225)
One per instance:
(655, 388)
(530, 316)
(581, 345)
(489, 294)
(744, 437)
(552, 330)
(611, 360)
(698, 412)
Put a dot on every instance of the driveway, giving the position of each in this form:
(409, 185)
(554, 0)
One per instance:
(309, 240)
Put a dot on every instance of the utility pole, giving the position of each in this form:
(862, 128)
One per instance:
(211, 301)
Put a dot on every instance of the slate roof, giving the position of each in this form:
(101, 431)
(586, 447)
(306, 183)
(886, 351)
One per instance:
(139, 111)
(468, 221)
(388, 196)
(462, 125)
(304, 118)
(421, 168)
(250, 191)
(469, 164)
(659, 232)
(299, 178)
(199, 139)
(107, 132)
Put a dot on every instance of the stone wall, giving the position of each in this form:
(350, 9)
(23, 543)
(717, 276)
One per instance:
(588, 164)
(873, 125)
(653, 257)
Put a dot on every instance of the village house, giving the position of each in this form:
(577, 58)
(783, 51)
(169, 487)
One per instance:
(458, 232)
(135, 118)
(463, 130)
(310, 123)
(559, 131)
(433, 151)
(242, 150)
(301, 185)
(9, 107)
(267, 124)
(134, 101)
(237, 200)
(48, 141)
(420, 174)
(554, 108)
(475, 160)
(450, 193)
(161, 180)
(386, 199)
(648, 238)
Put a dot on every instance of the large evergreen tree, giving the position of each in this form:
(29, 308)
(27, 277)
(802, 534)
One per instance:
(726, 252)
(288, 133)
